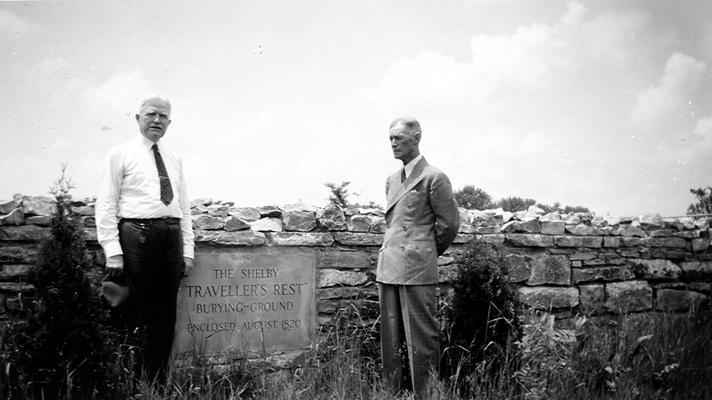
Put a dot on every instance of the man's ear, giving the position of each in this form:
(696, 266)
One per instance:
(416, 137)
(137, 117)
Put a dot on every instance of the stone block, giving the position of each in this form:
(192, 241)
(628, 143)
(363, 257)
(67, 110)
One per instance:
(270, 212)
(207, 222)
(332, 277)
(378, 225)
(39, 220)
(704, 287)
(15, 217)
(332, 218)
(447, 273)
(38, 205)
(233, 224)
(679, 300)
(487, 230)
(629, 231)
(358, 239)
(592, 299)
(218, 210)
(267, 224)
(497, 238)
(6, 207)
(555, 270)
(518, 266)
(345, 259)
(556, 227)
(87, 210)
(579, 241)
(582, 256)
(244, 213)
(669, 242)
(240, 238)
(303, 239)
(602, 274)
(611, 241)
(688, 234)
(359, 223)
(530, 225)
(17, 254)
(466, 228)
(655, 269)
(348, 292)
(445, 260)
(17, 287)
(23, 233)
(301, 221)
(584, 230)
(463, 238)
(699, 244)
(14, 271)
(696, 269)
(549, 297)
(629, 296)
(526, 240)
(205, 202)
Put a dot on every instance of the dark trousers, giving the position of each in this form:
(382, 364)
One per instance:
(153, 264)
(409, 331)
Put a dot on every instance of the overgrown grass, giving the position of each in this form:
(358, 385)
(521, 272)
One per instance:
(636, 356)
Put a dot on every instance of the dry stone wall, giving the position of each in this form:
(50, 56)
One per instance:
(577, 263)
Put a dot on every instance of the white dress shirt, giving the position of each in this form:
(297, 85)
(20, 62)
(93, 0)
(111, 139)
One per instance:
(409, 167)
(131, 188)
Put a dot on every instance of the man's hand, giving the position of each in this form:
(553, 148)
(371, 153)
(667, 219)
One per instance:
(188, 263)
(114, 267)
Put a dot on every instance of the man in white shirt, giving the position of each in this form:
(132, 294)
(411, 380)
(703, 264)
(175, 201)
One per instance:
(144, 226)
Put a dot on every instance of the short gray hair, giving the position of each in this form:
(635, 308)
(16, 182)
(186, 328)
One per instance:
(152, 97)
(409, 123)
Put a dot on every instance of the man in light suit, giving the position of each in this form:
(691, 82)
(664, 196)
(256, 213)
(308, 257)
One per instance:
(422, 220)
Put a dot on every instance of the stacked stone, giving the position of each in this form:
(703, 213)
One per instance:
(575, 262)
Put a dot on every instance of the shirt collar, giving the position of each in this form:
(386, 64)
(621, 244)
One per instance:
(147, 143)
(409, 167)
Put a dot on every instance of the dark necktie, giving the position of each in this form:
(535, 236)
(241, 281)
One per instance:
(403, 175)
(166, 190)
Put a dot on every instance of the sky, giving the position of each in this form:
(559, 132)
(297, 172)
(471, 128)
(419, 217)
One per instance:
(601, 104)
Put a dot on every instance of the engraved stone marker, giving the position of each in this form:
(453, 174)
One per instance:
(252, 300)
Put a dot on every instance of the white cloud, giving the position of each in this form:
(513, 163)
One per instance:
(113, 102)
(675, 88)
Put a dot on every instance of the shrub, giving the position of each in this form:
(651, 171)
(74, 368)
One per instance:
(482, 314)
(65, 348)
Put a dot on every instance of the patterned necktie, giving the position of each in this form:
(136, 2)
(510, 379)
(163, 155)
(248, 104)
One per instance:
(403, 175)
(166, 190)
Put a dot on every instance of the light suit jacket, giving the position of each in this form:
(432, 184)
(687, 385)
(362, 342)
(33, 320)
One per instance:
(422, 220)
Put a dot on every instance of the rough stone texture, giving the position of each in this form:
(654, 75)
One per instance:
(518, 266)
(524, 240)
(447, 273)
(270, 212)
(358, 239)
(241, 238)
(630, 296)
(359, 223)
(555, 270)
(38, 205)
(15, 217)
(592, 298)
(655, 269)
(579, 241)
(378, 225)
(15, 271)
(345, 259)
(671, 242)
(603, 274)
(218, 210)
(7, 206)
(497, 238)
(678, 300)
(486, 230)
(267, 224)
(331, 277)
(332, 217)
(556, 227)
(16, 287)
(84, 210)
(549, 297)
(697, 269)
(584, 230)
(302, 239)
(22, 233)
(40, 220)
(301, 221)
(233, 223)
(248, 214)
(346, 292)
(651, 221)
(17, 254)
(629, 231)
(699, 244)
(208, 223)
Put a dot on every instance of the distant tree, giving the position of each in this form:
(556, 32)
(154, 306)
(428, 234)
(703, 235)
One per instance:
(473, 198)
(704, 201)
(547, 208)
(514, 204)
(339, 194)
(575, 209)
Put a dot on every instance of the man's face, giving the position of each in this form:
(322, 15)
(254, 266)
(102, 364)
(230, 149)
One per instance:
(153, 119)
(403, 143)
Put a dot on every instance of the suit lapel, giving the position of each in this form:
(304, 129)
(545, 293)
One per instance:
(397, 189)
